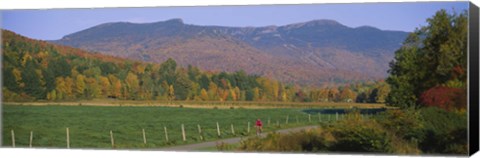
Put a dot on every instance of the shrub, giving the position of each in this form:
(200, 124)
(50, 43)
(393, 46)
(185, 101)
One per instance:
(304, 141)
(357, 135)
(445, 97)
(222, 146)
(406, 124)
(445, 132)
(353, 134)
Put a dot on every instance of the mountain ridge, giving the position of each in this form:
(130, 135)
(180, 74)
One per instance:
(324, 50)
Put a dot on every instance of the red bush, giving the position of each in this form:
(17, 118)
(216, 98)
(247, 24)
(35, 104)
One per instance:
(445, 97)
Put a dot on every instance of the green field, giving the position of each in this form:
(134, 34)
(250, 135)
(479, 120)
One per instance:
(89, 126)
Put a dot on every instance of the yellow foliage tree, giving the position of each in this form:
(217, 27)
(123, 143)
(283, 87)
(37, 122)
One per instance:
(233, 94)
(105, 86)
(256, 94)
(171, 93)
(132, 84)
(60, 87)
(69, 87)
(18, 77)
(116, 88)
(212, 91)
(80, 85)
(204, 95)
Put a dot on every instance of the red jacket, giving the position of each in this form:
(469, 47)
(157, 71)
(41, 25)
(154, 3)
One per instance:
(258, 123)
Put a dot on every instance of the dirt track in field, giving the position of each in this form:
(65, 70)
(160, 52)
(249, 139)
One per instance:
(196, 147)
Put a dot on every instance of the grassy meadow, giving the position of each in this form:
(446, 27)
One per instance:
(89, 126)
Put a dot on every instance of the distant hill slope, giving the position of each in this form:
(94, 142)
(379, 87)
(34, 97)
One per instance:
(307, 53)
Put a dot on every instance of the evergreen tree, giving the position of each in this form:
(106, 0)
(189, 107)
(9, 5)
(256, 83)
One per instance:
(33, 87)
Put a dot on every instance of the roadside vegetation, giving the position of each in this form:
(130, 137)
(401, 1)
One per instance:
(392, 132)
(427, 81)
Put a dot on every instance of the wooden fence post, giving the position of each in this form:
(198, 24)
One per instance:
(319, 118)
(68, 139)
(166, 133)
(233, 130)
(218, 129)
(31, 138)
(13, 138)
(248, 127)
(286, 121)
(200, 131)
(336, 115)
(111, 139)
(309, 118)
(144, 137)
(183, 133)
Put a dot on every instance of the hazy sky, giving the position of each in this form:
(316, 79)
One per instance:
(55, 23)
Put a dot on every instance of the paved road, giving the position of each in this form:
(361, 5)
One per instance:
(193, 147)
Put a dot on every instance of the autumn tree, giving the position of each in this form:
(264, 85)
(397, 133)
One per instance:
(171, 93)
(105, 86)
(256, 94)
(60, 88)
(333, 94)
(346, 95)
(116, 89)
(92, 89)
(132, 84)
(80, 85)
(204, 95)
(69, 84)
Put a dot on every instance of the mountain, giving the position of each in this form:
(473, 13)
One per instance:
(309, 53)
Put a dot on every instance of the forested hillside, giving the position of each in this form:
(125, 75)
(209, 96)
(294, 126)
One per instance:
(38, 70)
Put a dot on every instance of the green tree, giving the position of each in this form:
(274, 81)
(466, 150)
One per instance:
(49, 78)
(204, 81)
(9, 80)
(33, 86)
(183, 87)
(382, 92)
(429, 57)
(168, 71)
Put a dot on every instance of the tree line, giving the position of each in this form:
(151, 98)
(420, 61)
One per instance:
(36, 70)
